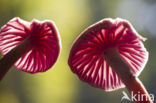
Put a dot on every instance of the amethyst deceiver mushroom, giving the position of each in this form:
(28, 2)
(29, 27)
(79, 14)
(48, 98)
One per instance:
(30, 46)
(110, 55)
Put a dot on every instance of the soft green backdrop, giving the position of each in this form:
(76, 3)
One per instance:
(59, 84)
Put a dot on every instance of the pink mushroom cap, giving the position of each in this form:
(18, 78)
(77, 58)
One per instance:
(45, 43)
(87, 55)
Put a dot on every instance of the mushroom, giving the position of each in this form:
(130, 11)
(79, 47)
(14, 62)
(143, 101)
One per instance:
(110, 55)
(31, 47)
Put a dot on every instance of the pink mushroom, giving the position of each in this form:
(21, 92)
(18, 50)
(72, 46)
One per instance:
(30, 47)
(110, 55)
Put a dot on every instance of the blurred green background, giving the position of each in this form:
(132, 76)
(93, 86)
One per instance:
(59, 84)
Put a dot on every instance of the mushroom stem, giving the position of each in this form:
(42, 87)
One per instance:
(12, 56)
(132, 83)
(137, 89)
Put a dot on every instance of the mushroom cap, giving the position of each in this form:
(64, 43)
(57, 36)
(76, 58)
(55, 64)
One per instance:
(45, 42)
(87, 55)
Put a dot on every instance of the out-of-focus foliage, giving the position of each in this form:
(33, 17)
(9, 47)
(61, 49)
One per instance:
(59, 84)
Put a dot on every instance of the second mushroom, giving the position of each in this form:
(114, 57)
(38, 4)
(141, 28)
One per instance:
(110, 55)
